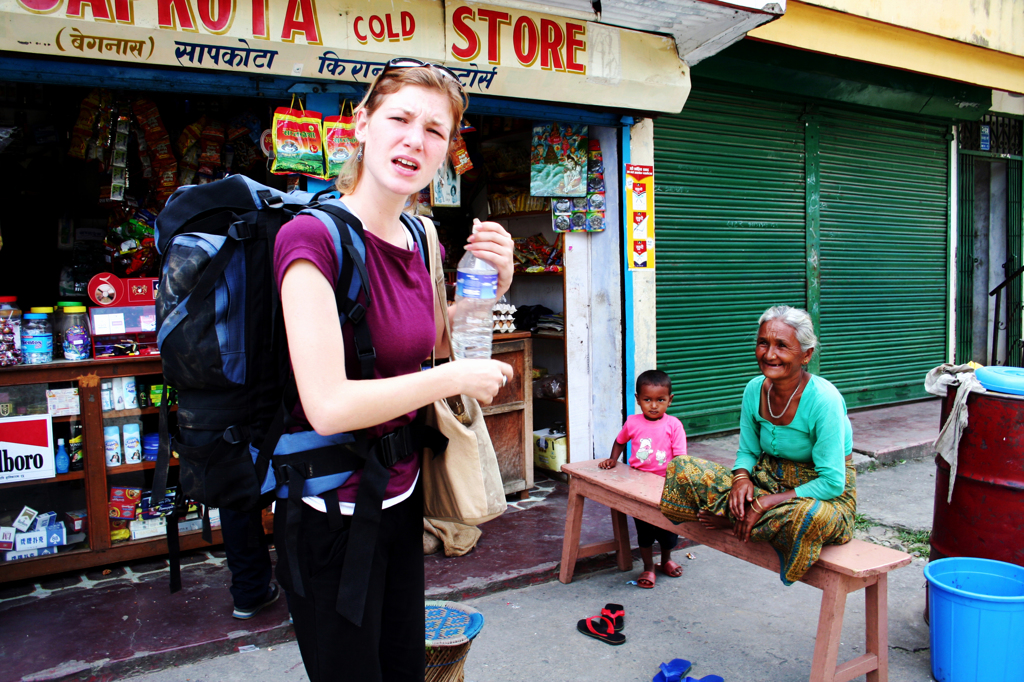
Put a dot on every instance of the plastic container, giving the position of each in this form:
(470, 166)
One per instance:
(976, 611)
(61, 460)
(128, 393)
(75, 444)
(1002, 379)
(107, 395)
(132, 443)
(476, 291)
(58, 327)
(118, 393)
(10, 331)
(150, 446)
(36, 339)
(112, 445)
(77, 338)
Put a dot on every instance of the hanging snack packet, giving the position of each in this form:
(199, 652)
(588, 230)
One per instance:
(297, 142)
(459, 156)
(339, 140)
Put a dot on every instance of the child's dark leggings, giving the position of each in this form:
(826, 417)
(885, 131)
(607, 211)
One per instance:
(646, 534)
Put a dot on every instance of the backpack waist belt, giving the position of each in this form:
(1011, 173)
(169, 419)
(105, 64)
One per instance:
(373, 457)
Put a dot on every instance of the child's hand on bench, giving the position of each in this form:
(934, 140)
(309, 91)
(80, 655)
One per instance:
(608, 463)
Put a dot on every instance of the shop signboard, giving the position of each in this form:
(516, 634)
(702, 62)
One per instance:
(494, 50)
(26, 448)
(640, 215)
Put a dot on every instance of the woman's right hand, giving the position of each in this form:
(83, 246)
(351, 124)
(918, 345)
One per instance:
(479, 379)
(742, 493)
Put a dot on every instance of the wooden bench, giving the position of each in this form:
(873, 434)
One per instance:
(841, 569)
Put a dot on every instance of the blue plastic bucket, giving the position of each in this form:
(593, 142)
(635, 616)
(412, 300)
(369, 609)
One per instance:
(976, 609)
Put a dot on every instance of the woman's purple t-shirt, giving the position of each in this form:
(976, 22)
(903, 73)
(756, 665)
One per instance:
(401, 319)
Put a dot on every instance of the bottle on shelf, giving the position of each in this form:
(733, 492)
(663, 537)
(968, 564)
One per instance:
(476, 290)
(112, 445)
(61, 460)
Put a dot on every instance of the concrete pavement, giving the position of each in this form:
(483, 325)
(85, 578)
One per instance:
(730, 618)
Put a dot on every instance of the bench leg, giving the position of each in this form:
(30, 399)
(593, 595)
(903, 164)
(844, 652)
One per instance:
(830, 629)
(623, 552)
(876, 616)
(571, 539)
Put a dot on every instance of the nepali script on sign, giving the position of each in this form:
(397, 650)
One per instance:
(101, 44)
(332, 64)
(233, 57)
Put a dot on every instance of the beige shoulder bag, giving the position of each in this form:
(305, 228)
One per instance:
(463, 484)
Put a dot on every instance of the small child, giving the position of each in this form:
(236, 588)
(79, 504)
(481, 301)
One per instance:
(657, 438)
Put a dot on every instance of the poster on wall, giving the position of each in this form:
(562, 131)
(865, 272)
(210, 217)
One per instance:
(446, 189)
(640, 216)
(558, 160)
(583, 214)
(26, 448)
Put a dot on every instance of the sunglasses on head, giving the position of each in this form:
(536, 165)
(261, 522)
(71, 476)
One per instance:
(411, 63)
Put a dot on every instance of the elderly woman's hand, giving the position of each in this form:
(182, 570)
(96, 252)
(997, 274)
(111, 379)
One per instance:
(741, 494)
(492, 243)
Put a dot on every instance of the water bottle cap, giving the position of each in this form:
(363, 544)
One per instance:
(60, 441)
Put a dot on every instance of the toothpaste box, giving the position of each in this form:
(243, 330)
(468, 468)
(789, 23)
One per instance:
(45, 519)
(6, 538)
(25, 519)
(123, 501)
(75, 520)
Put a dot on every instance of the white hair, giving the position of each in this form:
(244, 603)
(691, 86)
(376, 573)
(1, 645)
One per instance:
(798, 319)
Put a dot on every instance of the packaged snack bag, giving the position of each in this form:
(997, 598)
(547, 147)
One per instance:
(459, 156)
(339, 140)
(298, 143)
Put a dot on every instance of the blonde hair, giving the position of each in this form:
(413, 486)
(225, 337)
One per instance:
(390, 82)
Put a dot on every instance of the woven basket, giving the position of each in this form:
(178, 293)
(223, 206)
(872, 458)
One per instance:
(451, 628)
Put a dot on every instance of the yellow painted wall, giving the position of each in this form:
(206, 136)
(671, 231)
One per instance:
(995, 24)
(817, 29)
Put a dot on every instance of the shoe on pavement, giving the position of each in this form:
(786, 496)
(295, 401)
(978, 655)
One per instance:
(273, 592)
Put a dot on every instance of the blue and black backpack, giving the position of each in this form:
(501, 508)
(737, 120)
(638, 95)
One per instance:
(223, 347)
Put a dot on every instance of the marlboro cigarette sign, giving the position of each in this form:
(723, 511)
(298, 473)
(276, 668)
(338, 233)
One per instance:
(640, 216)
(26, 448)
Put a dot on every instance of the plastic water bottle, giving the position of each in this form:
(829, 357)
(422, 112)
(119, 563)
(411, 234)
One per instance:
(476, 290)
(61, 461)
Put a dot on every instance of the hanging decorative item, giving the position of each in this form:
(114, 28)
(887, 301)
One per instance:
(586, 213)
(558, 160)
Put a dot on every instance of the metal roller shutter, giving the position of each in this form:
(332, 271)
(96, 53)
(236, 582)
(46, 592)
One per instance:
(729, 174)
(884, 230)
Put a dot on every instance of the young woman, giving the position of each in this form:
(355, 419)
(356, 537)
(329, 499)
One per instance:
(405, 126)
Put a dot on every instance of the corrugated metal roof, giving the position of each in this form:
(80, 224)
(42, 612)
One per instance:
(701, 28)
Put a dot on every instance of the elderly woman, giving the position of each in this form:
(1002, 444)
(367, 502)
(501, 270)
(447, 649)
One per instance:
(793, 484)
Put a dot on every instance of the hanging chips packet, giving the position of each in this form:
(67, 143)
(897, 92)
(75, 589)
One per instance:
(339, 140)
(298, 143)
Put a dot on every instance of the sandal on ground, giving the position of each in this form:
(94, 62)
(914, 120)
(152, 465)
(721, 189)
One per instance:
(706, 678)
(670, 568)
(673, 671)
(646, 577)
(616, 614)
(600, 628)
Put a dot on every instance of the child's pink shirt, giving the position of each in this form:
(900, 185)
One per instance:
(654, 442)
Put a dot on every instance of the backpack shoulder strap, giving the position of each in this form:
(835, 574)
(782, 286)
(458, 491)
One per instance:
(419, 234)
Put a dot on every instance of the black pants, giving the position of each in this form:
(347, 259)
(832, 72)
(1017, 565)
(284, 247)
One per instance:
(388, 647)
(646, 534)
(249, 566)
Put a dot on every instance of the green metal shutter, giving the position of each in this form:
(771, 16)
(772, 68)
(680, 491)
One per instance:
(1014, 259)
(729, 211)
(884, 230)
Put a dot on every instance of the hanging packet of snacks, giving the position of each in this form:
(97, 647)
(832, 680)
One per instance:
(298, 146)
(339, 140)
(82, 132)
(459, 156)
(119, 159)
(210, 158)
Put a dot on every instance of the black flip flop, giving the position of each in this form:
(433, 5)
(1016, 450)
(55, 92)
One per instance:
(616, 614)
(600, 628)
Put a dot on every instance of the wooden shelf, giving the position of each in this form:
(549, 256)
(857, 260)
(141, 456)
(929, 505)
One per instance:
(141, 466)
(135, 411)
(554, 337)
(518, 214)
(59, 478)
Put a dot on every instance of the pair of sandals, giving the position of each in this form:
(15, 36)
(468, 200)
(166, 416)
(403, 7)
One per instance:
(606, 627)
(674, 670)
(669, 568)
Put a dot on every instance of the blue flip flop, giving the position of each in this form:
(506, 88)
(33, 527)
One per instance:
(707, 678)
(673, 671)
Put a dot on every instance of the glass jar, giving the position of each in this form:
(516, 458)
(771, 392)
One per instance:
(58, 326)
(36, 339)
(10, 331)
(77, 336)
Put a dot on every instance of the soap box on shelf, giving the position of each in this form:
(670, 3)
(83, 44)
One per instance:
(123, 501)
(75, 520)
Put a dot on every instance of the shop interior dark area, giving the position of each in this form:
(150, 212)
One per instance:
(84, 173)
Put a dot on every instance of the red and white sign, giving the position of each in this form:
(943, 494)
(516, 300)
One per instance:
(26, 448)
(106, 290)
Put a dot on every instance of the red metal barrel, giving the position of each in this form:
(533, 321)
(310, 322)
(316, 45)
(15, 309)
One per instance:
(986, 517)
